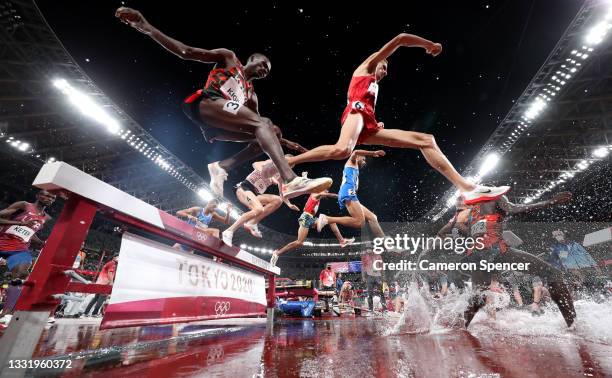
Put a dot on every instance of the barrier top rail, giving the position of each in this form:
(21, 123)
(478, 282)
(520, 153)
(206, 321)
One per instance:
(118, 205)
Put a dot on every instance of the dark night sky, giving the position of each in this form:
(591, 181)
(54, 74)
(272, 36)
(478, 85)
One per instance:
(492, 49)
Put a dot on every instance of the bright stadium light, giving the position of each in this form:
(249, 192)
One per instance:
(87, 106)
(205, 194)
(489, 164)
(601, 152)
(597, 33)
(535, 108)
(24, 146)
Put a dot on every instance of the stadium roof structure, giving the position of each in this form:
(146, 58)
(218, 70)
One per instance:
(51, 110)
(561, 125)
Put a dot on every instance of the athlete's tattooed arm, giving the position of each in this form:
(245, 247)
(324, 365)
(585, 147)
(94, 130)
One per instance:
(401, 40)
(512, 208)
(136, 20)
(325, 195)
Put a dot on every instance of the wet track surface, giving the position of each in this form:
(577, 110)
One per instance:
(516, 344)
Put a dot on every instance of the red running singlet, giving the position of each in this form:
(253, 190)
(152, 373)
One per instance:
(17, 238)
(312, 205)
(362, 94)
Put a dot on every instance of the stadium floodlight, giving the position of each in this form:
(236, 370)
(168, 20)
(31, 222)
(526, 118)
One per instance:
(205, 194)
(489, 164)
(601, 152)
(87, 106)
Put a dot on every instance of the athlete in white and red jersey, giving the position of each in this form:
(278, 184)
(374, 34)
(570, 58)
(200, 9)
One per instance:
(252, 193)
(19, 223)
(306, 221)
(359, 124)
(226, 109)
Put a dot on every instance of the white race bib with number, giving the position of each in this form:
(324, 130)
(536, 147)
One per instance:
(358, 105)
(22, 232)
(234, 90)
(479, 228)
(232, 107)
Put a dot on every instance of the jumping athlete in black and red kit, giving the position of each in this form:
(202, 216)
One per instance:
(485, 220)
(226, 108)
(359, 124)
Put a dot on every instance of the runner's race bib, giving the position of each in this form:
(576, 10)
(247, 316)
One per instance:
(22, 232)
(232, 107)
(234, 89)
(479, 228)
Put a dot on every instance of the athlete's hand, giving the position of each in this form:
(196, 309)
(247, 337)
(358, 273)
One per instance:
(434, 49)
(30, 223)
(379, 153)
(2, 261)
(562, 197)
(292, 206)
(381, 125)
(133, 18)
(293, 146)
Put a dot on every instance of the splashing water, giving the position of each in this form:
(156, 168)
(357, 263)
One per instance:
(416, 317)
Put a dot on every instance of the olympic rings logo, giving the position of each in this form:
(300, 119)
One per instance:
(222, 308)
(214, 354)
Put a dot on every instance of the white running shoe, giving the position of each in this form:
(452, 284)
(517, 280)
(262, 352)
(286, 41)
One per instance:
(321, 222)
(253, 229)
(51, 320)
(227, 237)
(346, 242)
(302, 185)
(484, 193)
(218, 176)
(274, 258)
(6, 319)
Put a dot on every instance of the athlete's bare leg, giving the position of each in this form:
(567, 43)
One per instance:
(372, 220)
(356, 219)
(272, 203)
(261, 206)
(297, 243)
(251, 124)
(426, 143)
(341, 150)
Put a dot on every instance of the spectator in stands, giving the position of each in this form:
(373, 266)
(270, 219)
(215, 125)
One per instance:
(372, 278)
(79, 262)
(106, 277)
(339, 283)
(327, 279)
(571, 256)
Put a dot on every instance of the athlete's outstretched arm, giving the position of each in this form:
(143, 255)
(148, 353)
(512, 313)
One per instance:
(226, 219)
(136, 20)
(401, 40)
(188, 213)
(512, 208)
(325, 195)
(12, 209)
(356, 153)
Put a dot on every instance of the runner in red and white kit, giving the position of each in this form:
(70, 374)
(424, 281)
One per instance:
(19, 223)
(226, 109)
(485, 221)
(359, 124)
(307, 220)
(251, 193)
